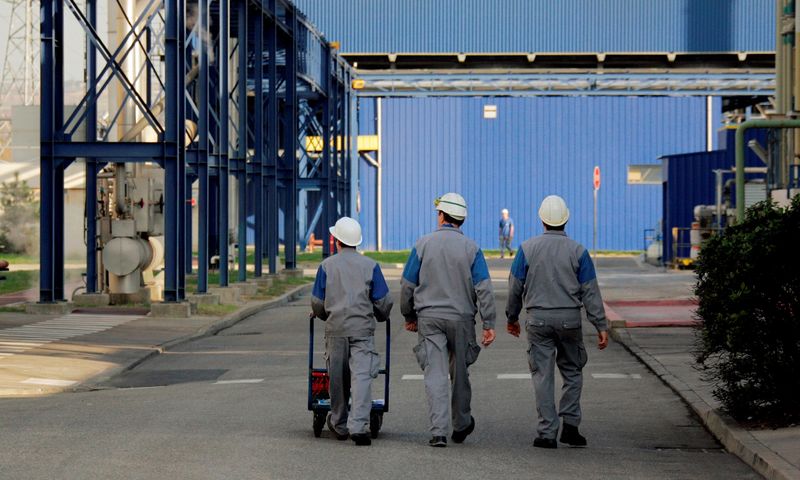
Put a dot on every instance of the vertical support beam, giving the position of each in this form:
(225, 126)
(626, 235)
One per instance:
(290, 146)
(91, 165)
(185, 191)
(325, 186)
(241, 161)
(222, 139)
(272, 145)
(173, 201)
(58, 177)
(202, 148)
(258, 134)
(47, 137)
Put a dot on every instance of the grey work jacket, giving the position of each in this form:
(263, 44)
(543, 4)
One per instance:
(552, 273)
(349, 294)
(446, 277)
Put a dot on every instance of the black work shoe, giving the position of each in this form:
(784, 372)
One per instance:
(439, 442)
(571, 436)
(336, 434)
(361, 439)
(545, 443)
(460, 436)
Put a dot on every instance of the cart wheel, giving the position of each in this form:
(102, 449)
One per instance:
(319, 423)
(375, 423)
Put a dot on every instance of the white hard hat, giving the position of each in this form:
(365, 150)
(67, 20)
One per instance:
(554, 211)
(452, 204)
(505, 210)
(347, 231)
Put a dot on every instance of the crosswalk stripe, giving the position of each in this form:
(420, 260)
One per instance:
(17, 340)
(413, 377)
(243, 380)
(51, 382)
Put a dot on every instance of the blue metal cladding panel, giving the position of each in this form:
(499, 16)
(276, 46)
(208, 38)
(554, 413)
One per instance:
(546, 25)
(366, 204)
(535, 147)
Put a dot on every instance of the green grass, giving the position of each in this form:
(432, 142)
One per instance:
(216, 310)
(396, 256)
(12, 309)
(279, 287)
(18, 281)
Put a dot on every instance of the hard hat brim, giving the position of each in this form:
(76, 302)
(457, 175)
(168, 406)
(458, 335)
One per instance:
(332, 231)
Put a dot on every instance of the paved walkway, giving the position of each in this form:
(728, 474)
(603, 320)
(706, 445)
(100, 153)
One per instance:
(667, 351)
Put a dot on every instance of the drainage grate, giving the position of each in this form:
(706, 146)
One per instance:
(162, 378)
(688, 449)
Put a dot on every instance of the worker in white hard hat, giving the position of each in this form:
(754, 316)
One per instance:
(552, 277)
(350, 294)
(506, 233)
(445, 283)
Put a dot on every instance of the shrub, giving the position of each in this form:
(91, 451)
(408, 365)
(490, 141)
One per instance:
(749, 303)
(19, 218)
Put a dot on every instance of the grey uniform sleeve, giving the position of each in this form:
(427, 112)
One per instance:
(482, 284)
(408, 284)
(318, 294)
(516, 286)
(590, 293)
(382, 302)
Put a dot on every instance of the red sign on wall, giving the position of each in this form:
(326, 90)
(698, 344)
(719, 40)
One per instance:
(597, 178)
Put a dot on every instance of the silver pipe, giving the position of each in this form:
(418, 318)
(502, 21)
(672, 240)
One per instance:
(379, 178)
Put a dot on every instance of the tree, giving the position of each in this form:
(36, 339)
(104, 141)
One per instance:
(19, 218)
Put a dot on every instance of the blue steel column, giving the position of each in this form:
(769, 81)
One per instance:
(290, 146)
(91, 165)
(222, 139)
(172, 197)
(60, 163)
(325, 186)
(185, 191)
(272, 144)
(202, 150)
(241, 161)
(47, 137)
(258, 146)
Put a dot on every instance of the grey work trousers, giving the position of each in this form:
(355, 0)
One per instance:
(552, 341)
(352, 363)
(447, 346)
(505, 244)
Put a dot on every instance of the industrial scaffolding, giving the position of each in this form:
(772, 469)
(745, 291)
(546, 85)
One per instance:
(253, 78)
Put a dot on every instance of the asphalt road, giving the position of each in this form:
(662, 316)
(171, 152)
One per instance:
(169, 418)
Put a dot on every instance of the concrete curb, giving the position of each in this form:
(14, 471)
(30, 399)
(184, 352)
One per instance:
(733, 437)
(228, 321)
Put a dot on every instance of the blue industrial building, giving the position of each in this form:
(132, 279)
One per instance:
(535, 147)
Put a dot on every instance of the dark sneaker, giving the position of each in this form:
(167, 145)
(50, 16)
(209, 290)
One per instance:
(336, 434)
(545, 443)
(459, 437)
(361, 439)
(571, 436)
(439, 442)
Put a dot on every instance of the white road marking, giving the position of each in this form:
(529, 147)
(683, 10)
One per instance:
(243, 380)
(514, 376)
(413, 377)
(17, 340)
(615, 376)
(51, 382)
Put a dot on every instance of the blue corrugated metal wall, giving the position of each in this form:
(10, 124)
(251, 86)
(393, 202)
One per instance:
(546, 25)
(537, 146)
(689, 180)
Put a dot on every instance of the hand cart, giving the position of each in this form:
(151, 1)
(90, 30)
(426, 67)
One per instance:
(318, 382)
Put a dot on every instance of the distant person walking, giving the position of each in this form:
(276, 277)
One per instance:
(552, 277)
(506, 233)
(350, 293)
(444, 281)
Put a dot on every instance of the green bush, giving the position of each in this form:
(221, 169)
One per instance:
(19, 218)
(749, 303)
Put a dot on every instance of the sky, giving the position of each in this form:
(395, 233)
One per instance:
(74, 34)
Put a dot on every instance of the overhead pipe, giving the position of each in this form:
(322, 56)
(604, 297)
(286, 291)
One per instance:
(740, 145)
